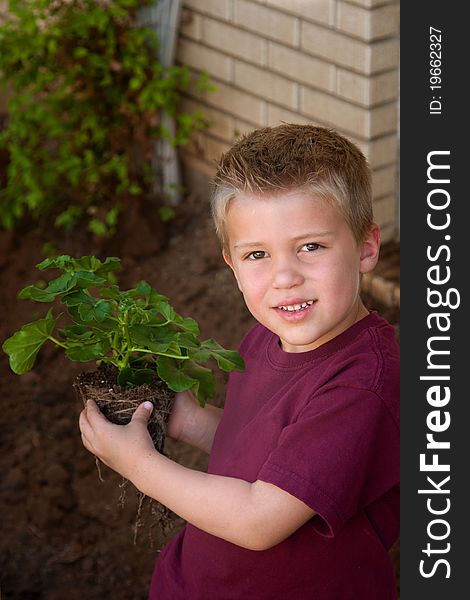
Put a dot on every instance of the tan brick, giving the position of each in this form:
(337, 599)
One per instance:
(383, 119)
(241, 128)
(268, 22)
(214, 148)
(385, 210)
(384, 55)
(321, 11)
(193, 161)
(277, 115)
(384, 87)
(237, 103)
(368, 24)
(354, 20)
(232, 40)
(383, 150)
(372, 3)
(266, 84)
(220, 124)
(206, 147)
(335, 47)
(344, 51)
(199, 57)
(379, 152)
(216, 8)
(191, 24)
(367, 90)
(197, 144)
(335, 112)
(384, 181)
(353, 86)
(385, 21)
(301, 67)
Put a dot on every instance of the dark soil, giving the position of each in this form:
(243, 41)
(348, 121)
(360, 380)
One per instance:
(64, 533)
(118, 404)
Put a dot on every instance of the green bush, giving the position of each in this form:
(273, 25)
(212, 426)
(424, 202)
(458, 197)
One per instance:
(87, 94)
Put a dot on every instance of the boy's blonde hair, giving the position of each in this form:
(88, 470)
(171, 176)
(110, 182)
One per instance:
(315, 160)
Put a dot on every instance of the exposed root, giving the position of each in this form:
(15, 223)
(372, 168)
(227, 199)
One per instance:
(98, 468)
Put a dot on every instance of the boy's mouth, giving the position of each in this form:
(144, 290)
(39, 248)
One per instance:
(296, 307)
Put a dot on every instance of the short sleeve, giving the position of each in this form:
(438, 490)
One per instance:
(340, 455)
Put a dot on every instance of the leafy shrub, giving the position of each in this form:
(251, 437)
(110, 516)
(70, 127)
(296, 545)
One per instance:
(87, 92)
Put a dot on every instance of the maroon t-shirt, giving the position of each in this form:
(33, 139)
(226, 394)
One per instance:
(322, 425)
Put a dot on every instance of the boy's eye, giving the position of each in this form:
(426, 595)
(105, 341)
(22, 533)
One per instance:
(311, 247)
(256, 254)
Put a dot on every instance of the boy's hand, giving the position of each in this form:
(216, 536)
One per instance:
(120, 447)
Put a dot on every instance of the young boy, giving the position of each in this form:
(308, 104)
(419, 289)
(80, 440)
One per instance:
(301, 496)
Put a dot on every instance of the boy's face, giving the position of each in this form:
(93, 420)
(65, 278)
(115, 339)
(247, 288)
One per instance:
(298, 266)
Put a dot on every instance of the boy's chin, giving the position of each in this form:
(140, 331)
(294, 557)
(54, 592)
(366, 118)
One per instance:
(299, 343)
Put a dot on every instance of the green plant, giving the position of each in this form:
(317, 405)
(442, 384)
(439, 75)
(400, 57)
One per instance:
(87, 93)
(136, 330)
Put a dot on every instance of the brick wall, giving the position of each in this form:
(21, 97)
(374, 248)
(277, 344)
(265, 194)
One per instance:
(329, 62)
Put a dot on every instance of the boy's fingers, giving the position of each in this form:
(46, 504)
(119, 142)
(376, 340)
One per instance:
(84, 424)
(91, 407)
(85, 443)
(142, 413)
(93, 413)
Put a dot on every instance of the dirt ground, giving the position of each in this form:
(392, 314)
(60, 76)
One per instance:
(64, 533)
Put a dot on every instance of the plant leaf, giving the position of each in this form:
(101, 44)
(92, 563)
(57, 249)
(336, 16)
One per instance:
(180, 376)
(171, 372)
(77, 298)
(193, 346)
(102, 309)
(95, 310)
(228, 360)
(87, 280)
(63, 284)
(129, 376)
(125, 377)
(111, 292)
(75, 333)
(187, 324)
(89, 264)
(32, 292)
(23, 347)
(205, 386)
(143, 288)
(143, 334)
(84, 352)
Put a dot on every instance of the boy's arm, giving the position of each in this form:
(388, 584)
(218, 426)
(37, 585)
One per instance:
(252, 515)
(192, 424)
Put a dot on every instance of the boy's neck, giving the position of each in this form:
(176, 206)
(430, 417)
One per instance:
(361, 312)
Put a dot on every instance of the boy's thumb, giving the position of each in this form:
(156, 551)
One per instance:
(143, 412)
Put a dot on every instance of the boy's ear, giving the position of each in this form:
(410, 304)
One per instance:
(370, 248)
(228, 260)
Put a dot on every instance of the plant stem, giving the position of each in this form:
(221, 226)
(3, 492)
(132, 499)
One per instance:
(159, 353)
(57, 342)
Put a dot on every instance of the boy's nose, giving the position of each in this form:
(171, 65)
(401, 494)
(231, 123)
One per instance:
(286, 276)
